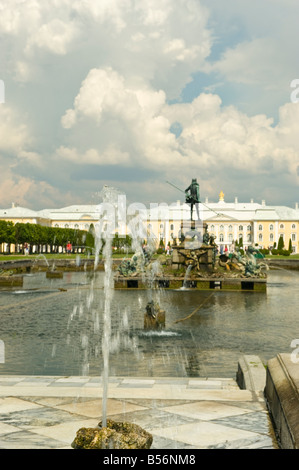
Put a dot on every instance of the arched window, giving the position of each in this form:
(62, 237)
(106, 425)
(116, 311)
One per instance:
(171, 227)
(248, 228)
(260, 237)
(260, 227)
(281, 226)
(212, 228)
(249, 237)
(221, 228)
(66, 225)
(293, 226)
(230, 228)
(230, 237)
(271, 237)
(221, 238)
(241, 228)
(271, 227)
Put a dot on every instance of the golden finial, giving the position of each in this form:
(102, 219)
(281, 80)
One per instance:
(221, 196)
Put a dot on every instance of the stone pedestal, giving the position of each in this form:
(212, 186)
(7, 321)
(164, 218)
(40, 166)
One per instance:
(282, 395)
(202, 257)
(11, 281)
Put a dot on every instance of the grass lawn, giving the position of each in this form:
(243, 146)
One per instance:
(54, 256)
(115, 256)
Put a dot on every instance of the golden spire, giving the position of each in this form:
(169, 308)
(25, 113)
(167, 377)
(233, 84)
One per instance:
(221, 196)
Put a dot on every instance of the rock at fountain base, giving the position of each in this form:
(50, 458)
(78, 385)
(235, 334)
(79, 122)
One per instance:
(116, 435)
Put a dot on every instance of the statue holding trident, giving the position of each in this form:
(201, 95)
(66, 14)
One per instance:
(192, 195)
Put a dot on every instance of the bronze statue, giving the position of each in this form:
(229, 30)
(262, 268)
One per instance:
(192, 195)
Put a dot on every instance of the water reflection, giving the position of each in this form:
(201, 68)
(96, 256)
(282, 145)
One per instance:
(54, 326)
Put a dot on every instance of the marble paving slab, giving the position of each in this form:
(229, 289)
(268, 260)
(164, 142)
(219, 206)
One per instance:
(46, 412)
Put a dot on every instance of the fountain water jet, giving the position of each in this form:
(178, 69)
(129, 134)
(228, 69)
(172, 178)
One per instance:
(109, 434)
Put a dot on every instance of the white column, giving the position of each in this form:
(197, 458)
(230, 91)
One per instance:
(276, 228)
(255, 232)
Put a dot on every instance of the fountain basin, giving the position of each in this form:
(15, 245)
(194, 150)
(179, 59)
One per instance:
(115, 435)
(197, 283)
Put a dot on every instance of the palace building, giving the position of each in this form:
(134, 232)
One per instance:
(253, 223)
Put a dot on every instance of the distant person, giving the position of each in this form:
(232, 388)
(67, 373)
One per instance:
(69, 248)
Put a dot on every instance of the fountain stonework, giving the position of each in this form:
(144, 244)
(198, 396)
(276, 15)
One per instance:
(193, 262)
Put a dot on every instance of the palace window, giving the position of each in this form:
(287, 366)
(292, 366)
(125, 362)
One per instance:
(171, 227)
(212, 228)
(249, 237)
(281, 226)
(293, 226)
(230, 228)
(241, 228)
(221, 238)
(260, 237)
(248, 228)
(230, 237)
(260, 227)
(271, 227)
(221, 228)
(271, 237)
(293, 236)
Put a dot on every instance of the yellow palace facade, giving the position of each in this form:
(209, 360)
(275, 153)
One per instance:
(252, 222)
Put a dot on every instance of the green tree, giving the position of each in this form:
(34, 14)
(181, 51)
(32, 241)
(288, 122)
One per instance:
(22, 234)
(7, 233)
(280, 243)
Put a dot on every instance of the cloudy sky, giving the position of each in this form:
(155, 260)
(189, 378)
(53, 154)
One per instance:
(134, 93)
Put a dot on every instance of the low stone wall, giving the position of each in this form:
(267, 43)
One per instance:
(285, 262)
(282, 396)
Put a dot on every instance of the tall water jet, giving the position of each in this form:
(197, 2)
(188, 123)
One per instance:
(109, 434)
(103, 239)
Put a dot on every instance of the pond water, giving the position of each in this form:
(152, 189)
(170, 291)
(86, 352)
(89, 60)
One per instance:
(54, 327)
